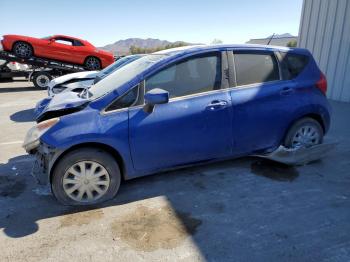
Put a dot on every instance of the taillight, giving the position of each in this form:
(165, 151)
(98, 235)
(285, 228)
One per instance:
(322, 84)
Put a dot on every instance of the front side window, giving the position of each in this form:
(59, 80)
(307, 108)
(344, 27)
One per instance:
(192, 76)
(63, 41)
(254, 68)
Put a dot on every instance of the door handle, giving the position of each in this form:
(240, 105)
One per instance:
(286, 91)
(216, 104)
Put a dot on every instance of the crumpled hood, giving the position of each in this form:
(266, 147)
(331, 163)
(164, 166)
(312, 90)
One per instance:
(78, 75)
(60, 102)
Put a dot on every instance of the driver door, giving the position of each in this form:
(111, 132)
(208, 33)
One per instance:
(194, 126)
(61, 49)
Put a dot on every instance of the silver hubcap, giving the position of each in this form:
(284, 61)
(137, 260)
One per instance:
(23, 50)
(92, 63)
(43, 81)
(306, 136)
(86, 181)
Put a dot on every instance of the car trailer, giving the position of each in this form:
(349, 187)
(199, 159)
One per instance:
(42, 70)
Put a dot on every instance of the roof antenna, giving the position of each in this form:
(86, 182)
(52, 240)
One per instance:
(270, 39)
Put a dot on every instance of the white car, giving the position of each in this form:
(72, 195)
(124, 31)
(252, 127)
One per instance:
(14, 66)
(76, 82)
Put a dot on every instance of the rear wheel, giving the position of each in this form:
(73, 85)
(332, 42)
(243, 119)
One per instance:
(92, 63)
(41, 79)
(306, 132)
(22, 50)
(86, 176)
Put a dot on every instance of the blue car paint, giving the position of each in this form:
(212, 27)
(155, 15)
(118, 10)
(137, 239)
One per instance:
(194, 132)
(187, 131)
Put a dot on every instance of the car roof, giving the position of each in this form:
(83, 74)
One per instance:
(223, 47)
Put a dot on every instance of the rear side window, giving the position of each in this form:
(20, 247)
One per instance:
(295, 64)
(254, 68)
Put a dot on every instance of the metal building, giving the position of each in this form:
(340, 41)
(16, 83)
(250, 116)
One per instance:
(325, 31)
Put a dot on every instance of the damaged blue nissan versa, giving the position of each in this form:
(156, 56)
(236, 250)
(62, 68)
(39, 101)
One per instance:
(176, 108)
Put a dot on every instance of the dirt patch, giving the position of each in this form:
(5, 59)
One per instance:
(81, 217)
(274, 170)
(11, 187)
(148, 229)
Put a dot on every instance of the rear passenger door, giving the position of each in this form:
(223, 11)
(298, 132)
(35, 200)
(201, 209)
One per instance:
(260, 100)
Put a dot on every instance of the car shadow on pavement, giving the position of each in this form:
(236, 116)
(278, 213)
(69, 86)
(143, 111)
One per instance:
(231, 210)
(26, 115)
(206, 191)
(18, 89)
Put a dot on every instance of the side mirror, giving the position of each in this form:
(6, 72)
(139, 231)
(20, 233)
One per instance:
(154, 97)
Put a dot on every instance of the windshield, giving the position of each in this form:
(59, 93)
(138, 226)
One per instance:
(46, 37)
(123, 75)
(109, 69)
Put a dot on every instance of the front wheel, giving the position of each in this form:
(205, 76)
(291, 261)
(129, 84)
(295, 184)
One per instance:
(306, 132)
(92, 63)
(86, 176)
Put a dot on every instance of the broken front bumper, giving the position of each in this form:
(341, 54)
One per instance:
(44, 160)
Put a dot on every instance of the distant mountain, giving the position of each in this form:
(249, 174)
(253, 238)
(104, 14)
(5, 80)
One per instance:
(279, 40)
(281, 35)
(122, 47)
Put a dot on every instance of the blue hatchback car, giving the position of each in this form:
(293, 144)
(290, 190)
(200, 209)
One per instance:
(176, 108)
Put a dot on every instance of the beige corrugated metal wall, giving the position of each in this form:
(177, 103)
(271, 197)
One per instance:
(325, 31)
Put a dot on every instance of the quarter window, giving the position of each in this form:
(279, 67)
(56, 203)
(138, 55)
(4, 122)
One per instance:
(255, 68)
(127, 100)
(77, 43)
(192, 76)
(295, 64)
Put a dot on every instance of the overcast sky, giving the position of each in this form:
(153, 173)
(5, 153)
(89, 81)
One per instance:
(104, 22)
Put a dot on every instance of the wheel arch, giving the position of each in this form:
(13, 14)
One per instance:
(112, 151)
(314, 116)
(23, 41)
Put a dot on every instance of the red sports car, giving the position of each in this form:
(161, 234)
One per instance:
(60, 48)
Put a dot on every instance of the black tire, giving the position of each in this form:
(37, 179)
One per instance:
(85, 154)
(22, 49)
(41, 79)
(92, 63)
(305, 123)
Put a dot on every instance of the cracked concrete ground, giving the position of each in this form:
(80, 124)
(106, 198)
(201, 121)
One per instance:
(238, 210)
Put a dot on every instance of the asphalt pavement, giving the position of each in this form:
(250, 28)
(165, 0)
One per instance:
(246, 209)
